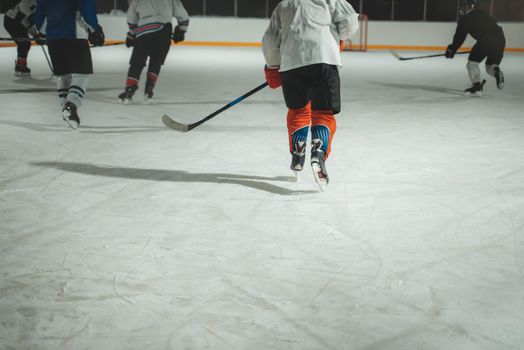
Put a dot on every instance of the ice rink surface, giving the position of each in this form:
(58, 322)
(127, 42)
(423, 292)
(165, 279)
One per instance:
(128, 235)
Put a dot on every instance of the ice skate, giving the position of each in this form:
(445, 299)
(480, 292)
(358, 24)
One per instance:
(318, 164)
(476, 89)
(148, 93)
(128, 93)
(298, 156)
(21, 69)
(499, 76)
(70, 115)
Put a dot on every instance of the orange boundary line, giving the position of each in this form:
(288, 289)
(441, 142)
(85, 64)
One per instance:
(429, 48)
(220, 43)
(12, 44)
(258, 44)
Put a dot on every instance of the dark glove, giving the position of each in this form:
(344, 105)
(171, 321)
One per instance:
(130, 39)
(97, 37)
(450, 53)
(40, 39)
(178, 35)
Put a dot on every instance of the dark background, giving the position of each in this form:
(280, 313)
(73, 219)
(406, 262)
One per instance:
(387, 10)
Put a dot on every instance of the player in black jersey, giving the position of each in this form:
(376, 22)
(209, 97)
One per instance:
(18, 22)
(490, 45)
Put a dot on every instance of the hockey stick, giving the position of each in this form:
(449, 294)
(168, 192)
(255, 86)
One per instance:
(394, 53)
(47, 59)
(16, 39)
(172, 124)
(119, 42)
(110, 44)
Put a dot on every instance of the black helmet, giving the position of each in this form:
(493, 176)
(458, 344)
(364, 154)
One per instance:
(467, 6)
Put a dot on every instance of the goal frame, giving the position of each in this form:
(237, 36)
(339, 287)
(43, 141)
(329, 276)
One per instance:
(359, 42)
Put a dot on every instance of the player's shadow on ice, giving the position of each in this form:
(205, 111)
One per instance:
(443, 90)
(83, 129)
(251, 181)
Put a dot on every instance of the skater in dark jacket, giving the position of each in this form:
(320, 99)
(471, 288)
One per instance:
(70, 27)
(490, 45)
(18, 22)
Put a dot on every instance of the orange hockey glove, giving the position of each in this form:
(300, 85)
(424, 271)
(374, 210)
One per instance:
(273, 77)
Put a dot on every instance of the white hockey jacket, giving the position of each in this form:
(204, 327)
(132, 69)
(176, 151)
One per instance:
(146, 16)
(305, 32)
(23, 12)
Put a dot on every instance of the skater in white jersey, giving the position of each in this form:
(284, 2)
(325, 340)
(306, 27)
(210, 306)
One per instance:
(301, 49)
(150, 34)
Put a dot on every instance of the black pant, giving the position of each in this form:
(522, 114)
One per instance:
(491, 47)
(16, 30)
(70, 56)
(318, 83)
(155, 46)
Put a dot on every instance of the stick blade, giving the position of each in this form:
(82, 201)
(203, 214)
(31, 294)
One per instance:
(400, 58)
(395, 54)
(172, 124)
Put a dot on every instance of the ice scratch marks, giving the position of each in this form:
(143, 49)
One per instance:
(216, 335)
(328, 283)
(77, 333)
(138, 263)
(514, 231)
(115, 292)
(145, 245)
(511, 173)
(268, 306)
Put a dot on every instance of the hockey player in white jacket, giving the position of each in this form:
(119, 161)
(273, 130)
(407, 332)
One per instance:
(18, 22)
(150, 34)
(301, 49)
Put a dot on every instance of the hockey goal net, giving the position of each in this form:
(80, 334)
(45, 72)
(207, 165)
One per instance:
(359, 41)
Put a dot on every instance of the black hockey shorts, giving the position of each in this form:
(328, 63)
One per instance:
(491, 47)
(70, 56)
(318, 83)
(154, 45)
(16, 30)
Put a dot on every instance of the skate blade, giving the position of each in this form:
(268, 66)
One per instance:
(71, 123)
(475, 94)
(297, 167)
(320, 179)
(20, 74)
(500, 80)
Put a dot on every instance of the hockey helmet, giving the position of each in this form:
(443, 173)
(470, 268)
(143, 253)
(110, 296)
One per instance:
(467, 6)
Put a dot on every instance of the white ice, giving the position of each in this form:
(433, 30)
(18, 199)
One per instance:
(128, 235)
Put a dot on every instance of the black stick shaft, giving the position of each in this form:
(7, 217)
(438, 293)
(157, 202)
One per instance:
(428, 56)
(229, 105)
(48, 60)
(31, 39)
(17, 39)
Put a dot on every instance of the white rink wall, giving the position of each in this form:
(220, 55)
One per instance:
(250, 30)
(230, 29)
